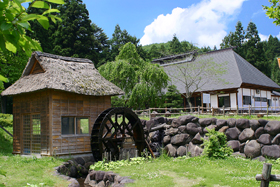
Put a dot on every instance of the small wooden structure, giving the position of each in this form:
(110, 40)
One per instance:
(55, 103)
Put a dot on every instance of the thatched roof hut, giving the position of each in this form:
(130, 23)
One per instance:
(55, 104)
(76, 75)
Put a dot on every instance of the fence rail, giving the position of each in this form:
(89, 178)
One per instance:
(249, 110)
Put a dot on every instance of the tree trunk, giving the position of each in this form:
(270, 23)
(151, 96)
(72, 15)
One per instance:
(190, 104)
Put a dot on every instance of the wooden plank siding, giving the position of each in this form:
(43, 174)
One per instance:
(71, 104)
(52, 105)
(31, 103)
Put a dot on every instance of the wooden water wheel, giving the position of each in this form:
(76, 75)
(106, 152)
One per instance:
(111, 128)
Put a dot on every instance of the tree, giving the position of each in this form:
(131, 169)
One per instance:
(273, 12)
(141, 81)
(195, 75)
(73, 36)
(173, 98)
(154, 52)
(175, 46)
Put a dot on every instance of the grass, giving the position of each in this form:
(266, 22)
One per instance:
(22, 170)
(197, 172)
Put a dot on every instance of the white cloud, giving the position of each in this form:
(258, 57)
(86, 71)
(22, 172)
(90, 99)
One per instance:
(203, 24)
(264, 37)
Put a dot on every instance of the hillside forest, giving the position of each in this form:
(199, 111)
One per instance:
(78, 36)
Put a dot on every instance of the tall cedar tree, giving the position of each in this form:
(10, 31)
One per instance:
(73, 36)
(175, 46)
(173, 98)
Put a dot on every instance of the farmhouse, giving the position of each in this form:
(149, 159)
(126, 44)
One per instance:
(243, 85)
(55, 103)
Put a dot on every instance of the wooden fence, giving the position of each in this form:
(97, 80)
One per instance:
(266, 176)
(260, 111)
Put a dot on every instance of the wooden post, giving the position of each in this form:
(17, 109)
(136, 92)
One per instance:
(267, 111)
(250, 110)
(212, 111)
(266, 174)
(198, 110)
(149, 113)
(224, 110)
(237, 110)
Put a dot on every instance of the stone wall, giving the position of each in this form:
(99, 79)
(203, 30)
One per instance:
(181, 136)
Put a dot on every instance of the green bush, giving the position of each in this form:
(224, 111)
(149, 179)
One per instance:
(216, 145)
(6, 120)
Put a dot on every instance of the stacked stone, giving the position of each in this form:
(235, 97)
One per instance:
(183, 136)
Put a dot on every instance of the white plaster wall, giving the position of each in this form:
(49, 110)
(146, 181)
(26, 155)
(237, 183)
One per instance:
(214, 101)
(263, 93)
(239, 95)
(233, 100)
(268, 94)
(246, 91)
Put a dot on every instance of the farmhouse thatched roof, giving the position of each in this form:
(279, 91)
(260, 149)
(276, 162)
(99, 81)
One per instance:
(76, 75)
(239, 72)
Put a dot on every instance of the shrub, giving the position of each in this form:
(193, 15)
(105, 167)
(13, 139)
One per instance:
(216, 145)
(6, 120)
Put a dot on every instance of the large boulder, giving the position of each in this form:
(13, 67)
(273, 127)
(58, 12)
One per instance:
(155, 137)
(193, 128)
(232, 133)
(246, 134)
(262, 122)
(231, 122)
(175, 123)
(241, 147)
(242, 123)
(205, 121)
(259, 132)
(272, 127)
(181, 139)
(160, 120)
(183, 120)
(223, 129)
(210, 127)
(271, 151)
(220, 123)
(171, 131)
(182, 129)
(166, 139)
(181, 151)
(276, 139)
(170, 150)
(252, 149)
(234, 144)
(197, 139)
(194, 150)
(151, 123)
(265, 139)
(254, 124)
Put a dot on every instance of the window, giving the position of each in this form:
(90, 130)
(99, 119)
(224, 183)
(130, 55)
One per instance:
(224, 101)
(263, 99)
(257, 98)
(246, 100)
(74, 125)
(269, 102)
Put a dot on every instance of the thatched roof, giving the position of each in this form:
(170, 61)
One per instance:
(76, 75)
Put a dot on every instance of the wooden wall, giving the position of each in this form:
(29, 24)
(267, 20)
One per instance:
(70, 104)
(32, 103)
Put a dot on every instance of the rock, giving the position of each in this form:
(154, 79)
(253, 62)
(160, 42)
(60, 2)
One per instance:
(276, 139)
(254, 124)
(242, 123)
(260, 158)
(252, 149)
(223, 129)
(169, 121)
(110, 176)
(82, 170)
(183, 120)
(272, 127)
(238, 154)
(246, 134)
(171, 131)
(220, 123)
(117, 185)
(167, 114)
(166, 140)
(160, 120)
(262, 122)
(156, 136)
(74, 183)
(210, 127)
(73, 172)
(180, 139)
(194, 150)
(205, 121)
(181, 151)
(101, 184)
(154, 114)
(231, 122)
(232, 133)
(63, 170)
(155, 146)
(182, 129)
(151, 123)
(197, 139)
(193, 128)
(170, 150)
(80, 160)
(99, 175)
(241, 147)
(265, 139)
(143, 122)
(213, 121)
(195, 120)
(88, 164)
(234, 144)
(175, 123)
(259, 132)
(271, 151)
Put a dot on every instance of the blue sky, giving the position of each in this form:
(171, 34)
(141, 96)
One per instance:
(202, 22)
